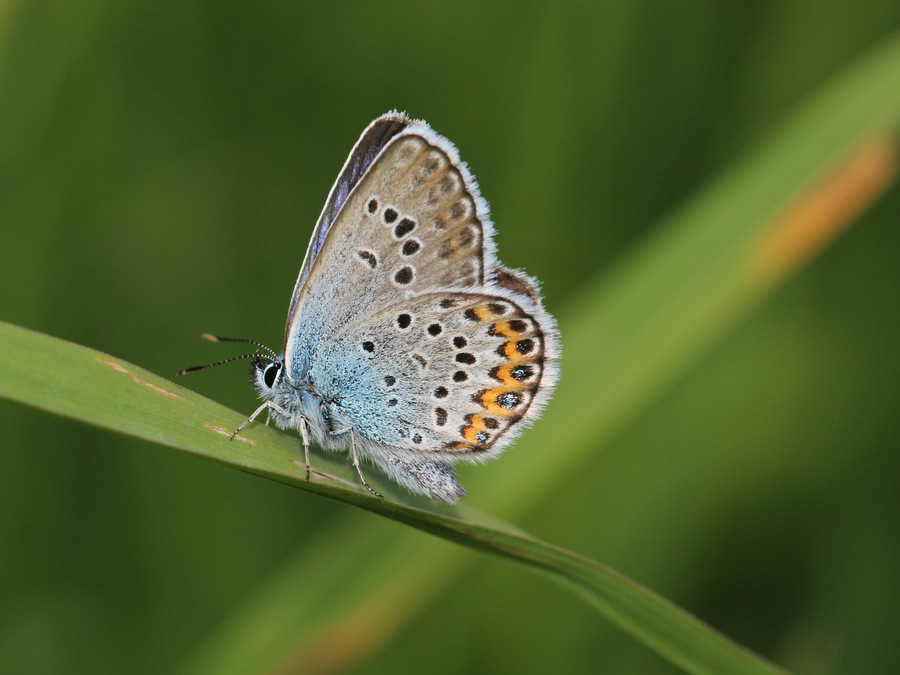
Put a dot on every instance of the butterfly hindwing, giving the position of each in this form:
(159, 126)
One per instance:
(448, 373)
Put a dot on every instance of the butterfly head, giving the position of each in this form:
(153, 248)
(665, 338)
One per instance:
(266, 374)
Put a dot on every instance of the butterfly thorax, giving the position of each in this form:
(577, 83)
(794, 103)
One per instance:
(291, 400)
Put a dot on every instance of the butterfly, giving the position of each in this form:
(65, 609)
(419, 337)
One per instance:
(406, 339)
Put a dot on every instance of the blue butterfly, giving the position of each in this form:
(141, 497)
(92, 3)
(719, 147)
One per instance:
(406, 340)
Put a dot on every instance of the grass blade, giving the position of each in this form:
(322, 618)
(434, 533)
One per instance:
(93, 387)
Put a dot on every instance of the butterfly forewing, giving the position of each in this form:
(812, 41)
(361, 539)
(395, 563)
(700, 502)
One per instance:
(414, 222)
(367, 148)
(431, 214)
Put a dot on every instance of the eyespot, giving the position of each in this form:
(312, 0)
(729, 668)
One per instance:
(368, 257)
(404, 227)
(404, 275)
(509, 399)
(410, 247)
(525, 346)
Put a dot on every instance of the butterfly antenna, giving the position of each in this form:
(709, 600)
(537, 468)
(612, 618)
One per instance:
(216, 338)
(255, 355)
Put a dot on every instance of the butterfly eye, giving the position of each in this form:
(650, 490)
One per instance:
(270, 374)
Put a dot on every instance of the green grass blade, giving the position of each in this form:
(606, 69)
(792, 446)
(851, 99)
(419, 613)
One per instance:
(78, 382)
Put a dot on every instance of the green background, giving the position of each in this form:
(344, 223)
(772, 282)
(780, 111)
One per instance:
(161, 167)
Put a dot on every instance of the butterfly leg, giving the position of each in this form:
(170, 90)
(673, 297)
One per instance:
(304, 435)
(265, 406)
(355, 454)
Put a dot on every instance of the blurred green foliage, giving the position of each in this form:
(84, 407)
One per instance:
(161, 167)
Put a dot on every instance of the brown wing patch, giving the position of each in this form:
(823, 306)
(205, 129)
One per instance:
(416, 191)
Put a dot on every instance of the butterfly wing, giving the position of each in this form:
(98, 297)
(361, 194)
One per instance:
(413, 221)
(410, 334)
(448, 374)
(372, 141)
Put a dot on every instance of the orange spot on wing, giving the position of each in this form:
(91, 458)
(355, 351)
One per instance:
(504, 374)
(484, 312)
(490, 400)
(503, 328)
(509, 349)
(475, 427)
